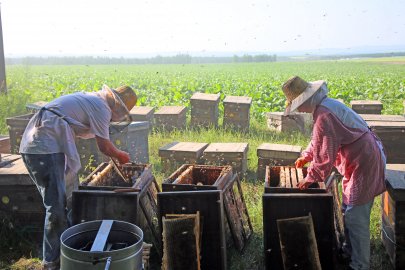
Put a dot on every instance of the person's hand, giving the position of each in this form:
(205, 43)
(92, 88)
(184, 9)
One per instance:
(123, 157)
(303, 184)
(300, 162)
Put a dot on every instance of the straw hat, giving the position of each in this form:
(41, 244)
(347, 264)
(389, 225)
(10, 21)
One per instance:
(121, 101)
(298, 91)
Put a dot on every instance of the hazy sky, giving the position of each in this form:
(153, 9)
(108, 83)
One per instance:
(121, 27)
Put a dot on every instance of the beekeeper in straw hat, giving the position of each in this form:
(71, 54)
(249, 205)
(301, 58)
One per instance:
(49, 152)
(341, 138)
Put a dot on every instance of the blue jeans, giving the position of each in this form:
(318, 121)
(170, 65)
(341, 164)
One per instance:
(357, 230)
(47, 172)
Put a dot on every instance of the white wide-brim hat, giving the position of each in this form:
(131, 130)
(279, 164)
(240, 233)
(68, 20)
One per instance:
(298, 91)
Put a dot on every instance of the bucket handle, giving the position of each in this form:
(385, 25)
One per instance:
(108, 263)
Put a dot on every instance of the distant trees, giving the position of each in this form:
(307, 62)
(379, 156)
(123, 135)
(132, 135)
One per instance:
(176, 59)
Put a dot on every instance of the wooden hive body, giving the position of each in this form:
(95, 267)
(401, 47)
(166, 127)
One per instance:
(301, 122)
(393, 215)
(143, 113)
(283, 200)
(132, 138)
(36, 106)
(110, 197)
(174, 154)
(16, 127)
(170, 118)
(216, 193)
(275, 155)
(234, 154)
(204, 110)
(5, 146)
(367, 106)
(237, 112)
(20, 199)
(392, 135)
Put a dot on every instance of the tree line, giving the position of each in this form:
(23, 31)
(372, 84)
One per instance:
(176, 59)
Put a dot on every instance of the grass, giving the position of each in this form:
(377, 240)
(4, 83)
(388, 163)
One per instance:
(252, 257)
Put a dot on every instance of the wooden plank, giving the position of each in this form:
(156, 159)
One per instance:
(287, 172)
(210, 206)
(238, 100)
(383, 117)
(294, 181)
(300, 174)
(171, 110)
(142, 110)
(280, 151)
(102, 235)
(204, 96)
(282, 206)
(282, 177)
(298, 243)
(365, 102)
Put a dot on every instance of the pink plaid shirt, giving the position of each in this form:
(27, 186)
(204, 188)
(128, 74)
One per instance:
(354, 152)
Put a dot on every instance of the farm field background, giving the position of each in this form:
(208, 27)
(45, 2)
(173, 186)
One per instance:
(159, 85)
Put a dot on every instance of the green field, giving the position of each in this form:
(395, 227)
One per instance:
(160, 85)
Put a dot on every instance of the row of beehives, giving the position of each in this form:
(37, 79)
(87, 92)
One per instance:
(200, 209)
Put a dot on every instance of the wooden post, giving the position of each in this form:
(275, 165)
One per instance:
(3, 86)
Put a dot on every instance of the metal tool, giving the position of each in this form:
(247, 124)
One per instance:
(118, 170)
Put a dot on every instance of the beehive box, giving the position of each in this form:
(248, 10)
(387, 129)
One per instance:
(204, 110)
(105, 195)
(16, 127)
(275, 155)
(301, 122)
(282, 200)
(237, 112)
(170, 118)
(367, 106)
(142, 113)
(194, 188)
(202, 177)
(393, 215)
(20, 199)
(5, 144)
(131, 138)
(392, 135)
(35, 107)
(234, 154)
(174, 154)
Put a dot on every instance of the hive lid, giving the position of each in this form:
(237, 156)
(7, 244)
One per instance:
(238, 99)
(141, 110)
(204, 96)
(171, 110)
(381, 125)
(383, 117)
(227, 147)
(268, 150)
(395, 178)
(182, 149)
(365, 102)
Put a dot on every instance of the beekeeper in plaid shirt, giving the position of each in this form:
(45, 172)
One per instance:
(341, 139)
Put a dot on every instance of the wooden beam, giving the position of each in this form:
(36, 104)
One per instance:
(3, 85)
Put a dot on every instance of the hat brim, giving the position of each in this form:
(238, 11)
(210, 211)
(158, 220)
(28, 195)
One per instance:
(119, 109)
(311, 89)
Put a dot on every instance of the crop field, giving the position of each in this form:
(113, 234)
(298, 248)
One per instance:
(159, 85)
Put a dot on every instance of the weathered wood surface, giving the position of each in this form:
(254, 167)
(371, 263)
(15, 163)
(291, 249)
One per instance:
(234, 154)
(298, 243)
(205, 97)
(282, 206)
(383, 117)
(240, 100)
(278, 151)
(204, 110)
(180, 151)
(366, 106)
(5, 146)
(142, 113)
(237, 112)
(301, 122)
(15, 173)
(170, 117)
(16, 127)
(210, 206)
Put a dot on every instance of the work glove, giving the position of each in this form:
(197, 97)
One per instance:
(300, 162)
(123, 157)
